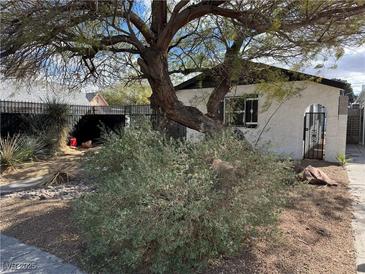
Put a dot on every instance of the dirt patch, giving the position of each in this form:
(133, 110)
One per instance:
(43, 216)
(45, 224)
(69, 162)
(314, 233)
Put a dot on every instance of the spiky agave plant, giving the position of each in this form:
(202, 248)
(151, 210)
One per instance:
(9, 148)
(17, 149)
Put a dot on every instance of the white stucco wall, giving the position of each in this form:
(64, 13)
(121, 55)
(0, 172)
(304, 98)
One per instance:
(284, 132)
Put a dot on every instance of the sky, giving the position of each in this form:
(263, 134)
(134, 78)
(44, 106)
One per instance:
(350, 67)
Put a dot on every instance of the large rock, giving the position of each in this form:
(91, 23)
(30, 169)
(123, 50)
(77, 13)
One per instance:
(317, 177)
(222, 167)
(226, 174)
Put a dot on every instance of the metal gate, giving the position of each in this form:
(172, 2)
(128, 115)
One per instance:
(313, 136)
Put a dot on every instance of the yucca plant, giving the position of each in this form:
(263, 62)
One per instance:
(33, 147)
(9, 150)
(52, 127)
(57, 125)
(17, 149)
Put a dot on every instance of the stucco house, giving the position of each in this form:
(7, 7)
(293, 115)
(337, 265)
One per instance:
(311, 123)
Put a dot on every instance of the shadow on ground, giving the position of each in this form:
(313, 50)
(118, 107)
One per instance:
(47, 225)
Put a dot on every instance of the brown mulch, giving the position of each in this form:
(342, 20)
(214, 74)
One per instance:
(314, 233)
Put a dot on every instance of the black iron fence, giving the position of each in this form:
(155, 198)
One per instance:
(16, 114)
(77, 110)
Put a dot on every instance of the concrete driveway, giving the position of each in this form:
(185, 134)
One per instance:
(356, 174)
(17, 257)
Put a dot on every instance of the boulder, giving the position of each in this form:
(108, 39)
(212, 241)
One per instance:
(227, 176)
(222, 167)
(317, 177)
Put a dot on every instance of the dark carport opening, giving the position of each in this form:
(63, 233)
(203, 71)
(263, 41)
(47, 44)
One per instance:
(92, 127)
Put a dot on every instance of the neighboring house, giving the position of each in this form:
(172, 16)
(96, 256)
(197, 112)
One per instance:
(360, 101)
(311, 124)
(96, 99)
(40, 93)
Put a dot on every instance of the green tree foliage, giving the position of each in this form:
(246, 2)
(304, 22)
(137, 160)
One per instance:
(78, 41)
(161, 207)
(348, 91)
(127, 95)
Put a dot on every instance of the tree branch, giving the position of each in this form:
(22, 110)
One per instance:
(113, 40)
(187, 71)
(159, 16)
(247, 18)
(184, 37)
(182, 18)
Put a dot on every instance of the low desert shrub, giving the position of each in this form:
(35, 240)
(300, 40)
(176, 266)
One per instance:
(17, 149)
(342, 159)
(162, 207)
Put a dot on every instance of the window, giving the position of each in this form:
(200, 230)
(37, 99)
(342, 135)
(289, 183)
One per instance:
(241, 111)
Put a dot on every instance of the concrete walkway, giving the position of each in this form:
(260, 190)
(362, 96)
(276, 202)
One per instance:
(21, 185)
(17, 257)
(356, 174)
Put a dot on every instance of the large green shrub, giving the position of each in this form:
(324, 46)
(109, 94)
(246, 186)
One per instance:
(160, 206)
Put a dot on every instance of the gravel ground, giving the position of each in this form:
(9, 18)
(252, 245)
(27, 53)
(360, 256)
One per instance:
(62, 192)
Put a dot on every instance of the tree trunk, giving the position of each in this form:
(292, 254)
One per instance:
(227, 69)
(217, 96)
(154, 64)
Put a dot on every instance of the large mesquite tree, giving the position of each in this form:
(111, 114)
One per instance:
(76, 40)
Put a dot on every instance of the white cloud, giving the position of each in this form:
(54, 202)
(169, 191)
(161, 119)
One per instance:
(350, 67)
